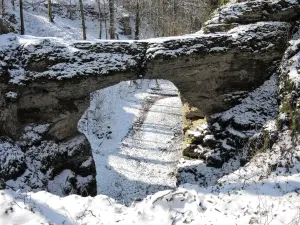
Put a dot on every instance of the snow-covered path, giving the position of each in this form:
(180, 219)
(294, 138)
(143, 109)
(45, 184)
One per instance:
(135, 133)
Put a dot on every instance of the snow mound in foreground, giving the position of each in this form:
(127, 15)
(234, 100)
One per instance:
(262, 192)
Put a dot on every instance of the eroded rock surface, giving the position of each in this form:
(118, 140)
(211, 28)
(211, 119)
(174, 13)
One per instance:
(53, 80)
(245, 12)
(34, 163)
(232, 138)
(45, 81)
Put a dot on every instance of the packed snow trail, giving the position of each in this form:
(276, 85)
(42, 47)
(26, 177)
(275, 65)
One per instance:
(135, 132)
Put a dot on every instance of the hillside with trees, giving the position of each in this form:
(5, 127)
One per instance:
(111, 19)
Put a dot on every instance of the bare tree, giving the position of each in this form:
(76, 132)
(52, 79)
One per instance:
(82, 20)
(21, 17)
(111, 19)
(105, 21)
(137, 20)
(171, 17)
(50, 11)
(13, 4)
(99, 18)
(2, 7)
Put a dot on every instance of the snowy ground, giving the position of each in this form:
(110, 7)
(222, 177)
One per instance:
(254, 194)
(135, 132)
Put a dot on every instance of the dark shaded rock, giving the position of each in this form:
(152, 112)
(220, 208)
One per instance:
(10, 17)
(220, 27)
(214, 160)
(2, 184)
(233, 133)
(5, 27)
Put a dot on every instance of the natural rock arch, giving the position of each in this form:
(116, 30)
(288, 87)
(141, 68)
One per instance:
(51, 82)
(47, 81)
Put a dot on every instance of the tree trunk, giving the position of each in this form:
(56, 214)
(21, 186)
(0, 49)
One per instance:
(50, 11)
(174, 18)
(21, 17)
(105, 22)
(137, 20)
(2, 7)
(82, 20)
(100, 23)
(111, 19)
(13, 4)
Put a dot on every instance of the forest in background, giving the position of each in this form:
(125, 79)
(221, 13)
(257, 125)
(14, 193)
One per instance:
(139, 18)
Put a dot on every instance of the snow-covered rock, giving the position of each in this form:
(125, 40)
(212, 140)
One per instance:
(54, 78)
(12, 160)
(289, 83)
(33, 163)
(245, 12)
(254, 125)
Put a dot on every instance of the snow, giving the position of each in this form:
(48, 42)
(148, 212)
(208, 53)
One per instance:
(241, 12)
(10, 154)
(87, 163)
(258, 100)
(62, 180)
(11, 95)
(228, 12)
(250, 195)
(294, 69)
(68, 57)
(134, 128)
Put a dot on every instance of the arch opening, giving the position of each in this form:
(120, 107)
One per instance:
(135, 132)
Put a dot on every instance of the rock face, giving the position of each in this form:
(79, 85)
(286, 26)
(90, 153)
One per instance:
(35, 163)
(53, 80)
(209, 69)
(234, 136)
(245, 12)
(12, 160)
(289, 84)
(225, 134)
(45, 81)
